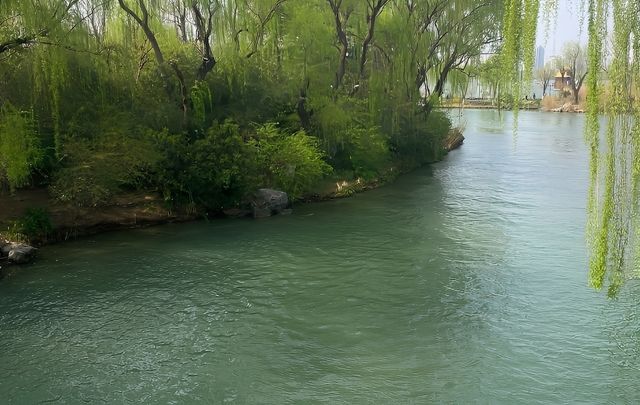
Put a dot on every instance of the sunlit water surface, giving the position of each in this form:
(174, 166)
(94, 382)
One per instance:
(464, 282)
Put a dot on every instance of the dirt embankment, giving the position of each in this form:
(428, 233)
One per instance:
(126, 211)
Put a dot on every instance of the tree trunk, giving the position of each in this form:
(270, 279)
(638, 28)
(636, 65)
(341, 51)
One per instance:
(342, 64)
(372, 16)
(143, 22)
(371, 19)
(204, 28)
(303, 114)
(442, 79)
(340, 22)
(576, 88)
(184, 93)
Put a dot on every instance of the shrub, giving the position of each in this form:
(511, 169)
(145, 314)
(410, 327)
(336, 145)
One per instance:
(421, 142)
(292, 162)
(368, 152)
(34, 225)
(96, 170)
(213, 171)
(20, 150)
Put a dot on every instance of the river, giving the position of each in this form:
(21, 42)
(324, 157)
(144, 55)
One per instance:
(464, 282)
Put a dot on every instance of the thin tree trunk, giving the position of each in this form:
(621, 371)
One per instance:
(204, 29)
(340, 22)
(372, 16)
(303, 114)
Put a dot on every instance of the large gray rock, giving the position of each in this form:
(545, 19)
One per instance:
(236, 213)
(267, 202)
(21, 254)
(5, 248)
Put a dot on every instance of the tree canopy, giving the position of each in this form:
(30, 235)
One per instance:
(100, 96)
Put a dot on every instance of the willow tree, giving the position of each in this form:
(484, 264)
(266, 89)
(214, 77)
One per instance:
(574, 60)
(33, 39)
(613, 207)
(468, 29)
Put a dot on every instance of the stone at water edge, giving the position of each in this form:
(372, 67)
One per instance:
(261, 212)
(266, 202)
(22, 254)
(5, 248)
(236, 213)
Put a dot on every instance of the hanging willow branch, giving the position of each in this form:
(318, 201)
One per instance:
(613, 205)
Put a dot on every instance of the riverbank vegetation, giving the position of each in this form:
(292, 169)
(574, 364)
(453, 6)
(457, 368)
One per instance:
(204, 101)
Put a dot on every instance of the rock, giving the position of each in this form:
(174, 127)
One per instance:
(236, 213)
(262, 213)
(267, 202)
(21, 254)
(5, 248)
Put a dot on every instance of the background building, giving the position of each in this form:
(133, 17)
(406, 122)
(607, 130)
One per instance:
(539, 57)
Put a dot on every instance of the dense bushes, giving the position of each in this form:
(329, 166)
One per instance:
(212, 171)
(224, 165)
(216, 167)
(20, 149)
(290, 162)
(421, 142)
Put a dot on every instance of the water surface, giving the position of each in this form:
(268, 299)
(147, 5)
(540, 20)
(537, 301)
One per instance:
(464, 282)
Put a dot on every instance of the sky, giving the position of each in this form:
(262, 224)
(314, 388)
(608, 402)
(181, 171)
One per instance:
(564, 29)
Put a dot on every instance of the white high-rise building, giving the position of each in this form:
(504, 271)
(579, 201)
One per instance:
(539, 57)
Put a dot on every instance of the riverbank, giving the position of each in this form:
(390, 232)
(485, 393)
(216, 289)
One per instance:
(487, 104)
(138, 210)
(548, 104)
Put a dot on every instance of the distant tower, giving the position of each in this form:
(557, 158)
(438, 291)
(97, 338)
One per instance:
(540, 57)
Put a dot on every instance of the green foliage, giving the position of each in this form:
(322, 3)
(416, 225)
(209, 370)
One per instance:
(615, 175)
(423, 144)
(613, 205)
(20, 150)
(520, 25)
(34, 226)
(368, 152)
(290, 162)
(181, 97)
(99, 168)
(213, 171)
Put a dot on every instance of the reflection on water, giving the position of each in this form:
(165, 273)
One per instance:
(464, 282)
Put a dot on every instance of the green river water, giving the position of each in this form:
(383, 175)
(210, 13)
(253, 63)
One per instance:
(464, 282)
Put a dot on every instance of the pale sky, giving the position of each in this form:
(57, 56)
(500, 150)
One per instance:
(565, 28)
